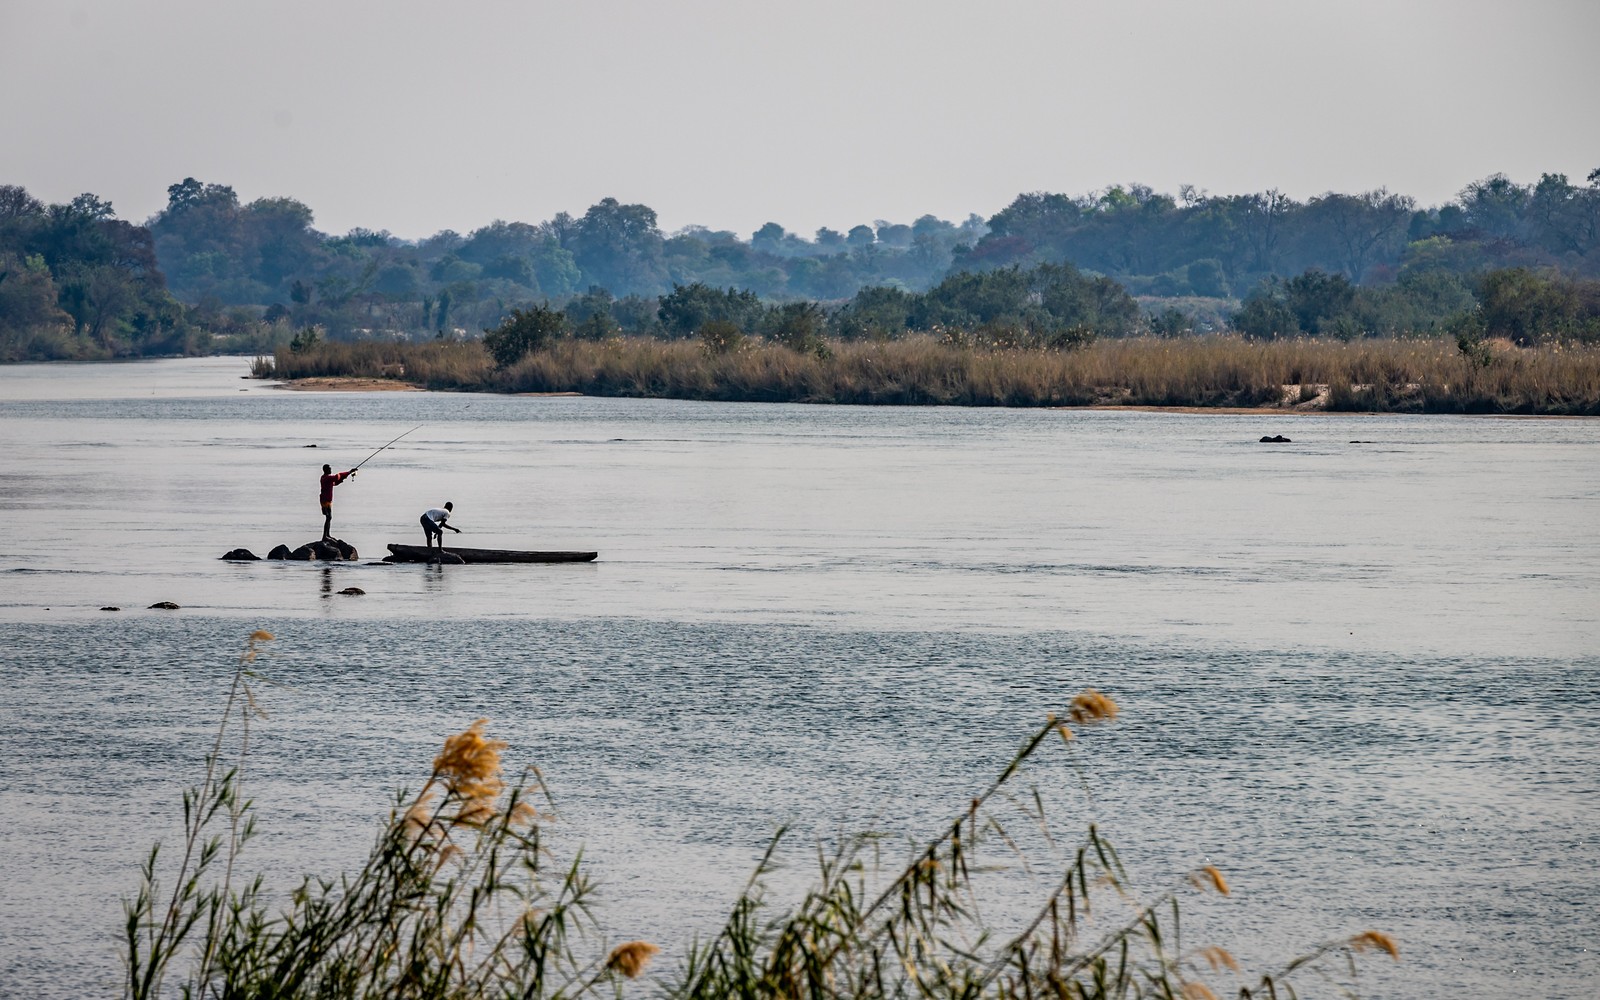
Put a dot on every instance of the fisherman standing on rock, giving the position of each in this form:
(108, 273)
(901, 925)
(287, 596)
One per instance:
(330, 479)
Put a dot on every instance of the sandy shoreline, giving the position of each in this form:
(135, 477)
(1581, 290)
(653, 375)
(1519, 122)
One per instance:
(347, 383)
(355, 383)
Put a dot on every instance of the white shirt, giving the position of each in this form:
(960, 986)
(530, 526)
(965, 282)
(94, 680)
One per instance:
(436, 515)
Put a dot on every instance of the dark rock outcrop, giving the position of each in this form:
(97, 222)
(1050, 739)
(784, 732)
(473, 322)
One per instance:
(279, 552)
(354, 592)
(325, 550)
(241, 555)
(1275, 439)
(164, 606)
(110, 607)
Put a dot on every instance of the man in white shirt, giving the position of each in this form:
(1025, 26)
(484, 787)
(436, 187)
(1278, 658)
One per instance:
(434, 521)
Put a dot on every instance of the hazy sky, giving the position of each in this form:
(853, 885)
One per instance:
(415, 117)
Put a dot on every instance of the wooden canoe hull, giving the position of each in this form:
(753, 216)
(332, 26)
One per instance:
(399, 553)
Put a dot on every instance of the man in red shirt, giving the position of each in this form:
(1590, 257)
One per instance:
(330, 479)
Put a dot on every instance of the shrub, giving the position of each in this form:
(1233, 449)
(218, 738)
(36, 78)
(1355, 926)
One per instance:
(522, 333)
(720, 336)
(305, 340)
(798, 326)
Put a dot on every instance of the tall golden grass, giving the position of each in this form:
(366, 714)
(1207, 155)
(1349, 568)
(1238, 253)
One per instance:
(462, 897)
(1382, 375)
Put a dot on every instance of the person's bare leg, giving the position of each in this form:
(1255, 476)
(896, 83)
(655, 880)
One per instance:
(327, 523)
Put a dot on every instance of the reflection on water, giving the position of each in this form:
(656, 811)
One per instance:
(1361, 678)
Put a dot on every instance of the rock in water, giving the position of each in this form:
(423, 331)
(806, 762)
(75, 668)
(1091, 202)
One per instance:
(110, 607)
(354, 592)
(164, 606)
(1275, 439)
(347, 552)
(279, 552)
(326, 550)
(241, 555)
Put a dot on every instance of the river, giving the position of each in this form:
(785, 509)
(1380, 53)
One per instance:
(1360, 672)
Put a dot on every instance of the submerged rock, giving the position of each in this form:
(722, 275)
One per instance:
(354, 592)
(241, 555)
(164, 606)
(1276, 439)
(110, 607)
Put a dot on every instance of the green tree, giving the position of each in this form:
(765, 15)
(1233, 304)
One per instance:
(524, 332)
(799, 326)
(689, 307)
(1265, 313)
(619, 246)
(876, 311)
(1318, 300)
(1206, 278)
(1361, 229)
(1528, 307)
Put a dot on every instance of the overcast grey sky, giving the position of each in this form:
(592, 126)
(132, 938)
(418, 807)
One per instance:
(419, 116)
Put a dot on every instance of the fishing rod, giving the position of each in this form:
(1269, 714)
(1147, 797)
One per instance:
(374, 455)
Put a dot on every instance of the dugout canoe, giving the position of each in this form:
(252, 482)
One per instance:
(419, 554)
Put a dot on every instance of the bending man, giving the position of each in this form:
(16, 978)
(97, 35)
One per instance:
(434, 521)
(330, 479)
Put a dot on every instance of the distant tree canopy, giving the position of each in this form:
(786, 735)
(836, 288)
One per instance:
(76, 281)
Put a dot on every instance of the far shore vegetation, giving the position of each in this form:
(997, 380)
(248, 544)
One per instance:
(1489, 304)
(1383, 375)
(211, 273)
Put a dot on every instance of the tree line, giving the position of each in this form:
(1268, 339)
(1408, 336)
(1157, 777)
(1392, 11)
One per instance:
(76, 281)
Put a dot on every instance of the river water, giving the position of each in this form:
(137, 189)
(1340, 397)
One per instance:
(1361, 678)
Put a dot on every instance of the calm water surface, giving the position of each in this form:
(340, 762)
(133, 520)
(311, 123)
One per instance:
(1364, 679)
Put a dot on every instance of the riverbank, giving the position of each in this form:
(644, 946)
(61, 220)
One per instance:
(1403, 376)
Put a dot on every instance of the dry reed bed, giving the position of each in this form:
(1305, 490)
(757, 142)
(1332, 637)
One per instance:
(466, 897)
(1384, 375)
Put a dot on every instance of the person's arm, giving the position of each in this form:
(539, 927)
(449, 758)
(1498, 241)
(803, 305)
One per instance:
(452, 527)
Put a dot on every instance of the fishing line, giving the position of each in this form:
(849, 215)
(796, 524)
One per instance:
(370, 457)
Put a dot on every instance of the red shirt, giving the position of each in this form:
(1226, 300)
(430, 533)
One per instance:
(329, 481)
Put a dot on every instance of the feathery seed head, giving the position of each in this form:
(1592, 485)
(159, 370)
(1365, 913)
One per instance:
(1219, 959)
(1376, 940)
(1092, 706)
(469, 764)
(1210, 877)
(630, 958)
(1197, 991)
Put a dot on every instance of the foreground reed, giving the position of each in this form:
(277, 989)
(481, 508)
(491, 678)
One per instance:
(462, 897)
(1418, 375)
